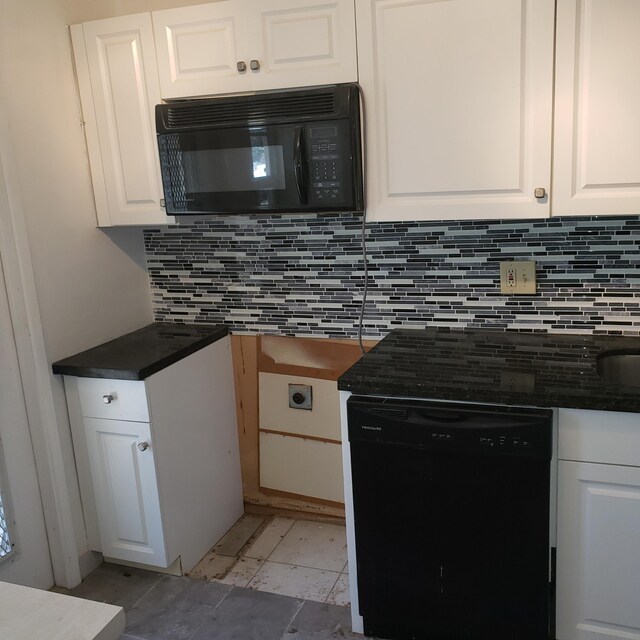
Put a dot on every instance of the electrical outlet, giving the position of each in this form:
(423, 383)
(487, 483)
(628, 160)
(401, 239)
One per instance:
(300, 396)
(518, 277)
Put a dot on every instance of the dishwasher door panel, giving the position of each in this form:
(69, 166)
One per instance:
(450, 545)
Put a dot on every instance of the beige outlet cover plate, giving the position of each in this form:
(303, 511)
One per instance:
(518, 277)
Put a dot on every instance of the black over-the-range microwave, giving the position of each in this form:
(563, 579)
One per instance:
(289, 151)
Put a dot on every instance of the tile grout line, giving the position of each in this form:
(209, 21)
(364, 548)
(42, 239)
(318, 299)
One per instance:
(224, 597)
(302, 601)
(293, 523)
(264, 560)
(304, 566)
(148, 591)
(332, 588)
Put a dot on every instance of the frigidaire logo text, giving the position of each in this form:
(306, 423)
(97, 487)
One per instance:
(364, 426)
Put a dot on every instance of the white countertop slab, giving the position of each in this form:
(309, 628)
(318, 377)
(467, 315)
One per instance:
(33, 614)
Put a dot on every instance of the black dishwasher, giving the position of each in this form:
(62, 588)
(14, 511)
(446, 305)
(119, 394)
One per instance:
(451, 512)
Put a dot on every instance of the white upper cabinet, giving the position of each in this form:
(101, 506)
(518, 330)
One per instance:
(597, 128)
(118, 82)
(233, 46)
(198, 49)
(458, 107)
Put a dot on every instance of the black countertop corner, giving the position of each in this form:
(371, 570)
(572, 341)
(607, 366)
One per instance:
(141, 353)
(493, 366)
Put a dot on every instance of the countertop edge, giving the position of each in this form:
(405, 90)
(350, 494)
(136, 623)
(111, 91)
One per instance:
(143, 372)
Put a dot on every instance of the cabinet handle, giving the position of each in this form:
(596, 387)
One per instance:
(255, 65)
(540, 192)
(241, 66)
(143, 446)
(108, 399)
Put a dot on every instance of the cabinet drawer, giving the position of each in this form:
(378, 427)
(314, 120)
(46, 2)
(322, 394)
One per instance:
(127, 399)
(609, 437)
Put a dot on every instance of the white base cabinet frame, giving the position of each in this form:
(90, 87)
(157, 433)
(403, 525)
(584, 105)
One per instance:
(598, 555)
(598, 567)
(170, 487)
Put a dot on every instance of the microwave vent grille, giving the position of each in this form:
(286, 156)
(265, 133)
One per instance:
(252, 109)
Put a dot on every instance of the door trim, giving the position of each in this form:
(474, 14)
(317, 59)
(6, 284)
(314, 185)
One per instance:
(46, 420)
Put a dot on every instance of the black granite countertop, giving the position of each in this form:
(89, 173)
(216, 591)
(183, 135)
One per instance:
(505, 367)
(137, 355)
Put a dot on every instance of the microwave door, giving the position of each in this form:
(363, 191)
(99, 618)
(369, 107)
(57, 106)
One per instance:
(237, 171)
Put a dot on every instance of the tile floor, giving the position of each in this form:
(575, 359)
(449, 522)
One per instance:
(297, 558)
(269, 578)
(162, 607)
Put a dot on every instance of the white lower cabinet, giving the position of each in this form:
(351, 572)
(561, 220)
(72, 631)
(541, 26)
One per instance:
(126, 490)
(598, 557)
(158, 460)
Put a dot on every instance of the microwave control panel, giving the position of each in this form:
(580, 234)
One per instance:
(327, 165)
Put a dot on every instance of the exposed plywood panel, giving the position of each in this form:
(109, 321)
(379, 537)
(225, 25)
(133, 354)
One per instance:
(302, 466)
(244, 350)
(322, 421)
(312, 357)
(317, 358)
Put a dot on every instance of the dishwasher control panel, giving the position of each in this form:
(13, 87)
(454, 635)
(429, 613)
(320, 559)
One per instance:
(421, 424)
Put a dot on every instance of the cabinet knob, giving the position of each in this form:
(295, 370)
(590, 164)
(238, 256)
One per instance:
(108, 399)
(540, 192)
(241, 66)
(143, 446)
(255, 65)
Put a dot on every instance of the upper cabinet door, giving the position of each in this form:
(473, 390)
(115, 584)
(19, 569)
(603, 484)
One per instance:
(231, 46)
(199, 49)
(458, 107)
(117, 76)
(302, 43)
(597, 128)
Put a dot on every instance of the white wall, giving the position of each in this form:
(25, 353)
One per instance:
(91, 285)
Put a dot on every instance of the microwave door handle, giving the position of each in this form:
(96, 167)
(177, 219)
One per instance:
(298, 165)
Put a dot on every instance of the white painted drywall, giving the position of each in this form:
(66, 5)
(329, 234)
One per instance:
(91, 285)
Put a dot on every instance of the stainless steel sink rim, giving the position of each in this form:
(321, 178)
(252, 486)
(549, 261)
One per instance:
(620, 366)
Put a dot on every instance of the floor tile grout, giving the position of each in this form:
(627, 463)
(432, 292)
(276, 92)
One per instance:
(293, 522)
(294, 615)
(304, 566)
(151, 588)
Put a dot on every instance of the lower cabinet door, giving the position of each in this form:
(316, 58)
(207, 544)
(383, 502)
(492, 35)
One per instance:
(598, 572)
(126, 491)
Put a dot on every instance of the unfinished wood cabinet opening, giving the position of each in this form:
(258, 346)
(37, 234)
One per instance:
(291, 458)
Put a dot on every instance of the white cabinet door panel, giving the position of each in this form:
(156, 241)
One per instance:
(126, 491)
(458, 107)
(304, 43)
(120, 63)
(294, 43)
(597, 131)
(198, 49)
(598, 552)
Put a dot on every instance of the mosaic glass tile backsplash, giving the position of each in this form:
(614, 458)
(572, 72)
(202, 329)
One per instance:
(303, 274)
